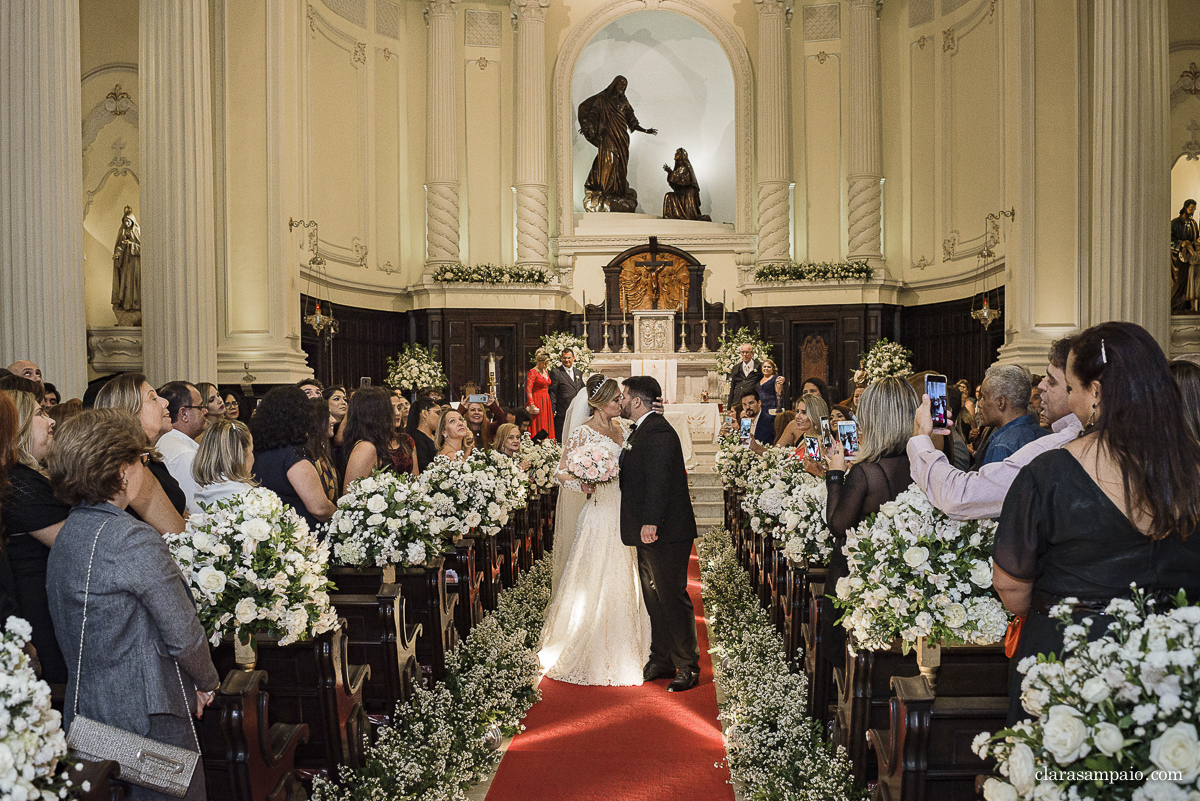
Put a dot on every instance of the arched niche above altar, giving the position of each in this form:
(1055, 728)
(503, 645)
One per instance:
(689, 76)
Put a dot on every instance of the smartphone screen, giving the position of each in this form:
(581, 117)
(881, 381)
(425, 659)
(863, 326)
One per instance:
(365, 381)
(848, 434)
(477, 399)
(812, 449)
(826, 433)
(747, 434)
(939, 409)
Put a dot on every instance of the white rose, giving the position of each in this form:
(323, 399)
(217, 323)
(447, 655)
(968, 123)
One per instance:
(246, 610)
(916, 556)
(1178, 749)
(981, 574)
(375, 520)
(203, 541)
(1021, 768)
(1065, 734)
(256, 529)
(955, 616)
(184, 554)
(1108, 739)
(376, 504)
(473, 519)
(1094, 690)
(996, 790)
(345, 525)
(211, 581)
(220, 550)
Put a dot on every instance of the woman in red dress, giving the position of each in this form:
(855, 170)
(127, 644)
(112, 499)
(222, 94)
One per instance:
(537, 395)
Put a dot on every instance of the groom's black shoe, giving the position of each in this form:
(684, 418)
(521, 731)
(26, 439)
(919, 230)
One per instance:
(653, 671)
(685, 679)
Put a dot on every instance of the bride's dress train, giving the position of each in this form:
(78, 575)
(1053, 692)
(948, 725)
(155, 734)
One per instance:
(597, 630)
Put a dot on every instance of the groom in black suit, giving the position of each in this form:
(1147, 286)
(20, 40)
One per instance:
(657, 519)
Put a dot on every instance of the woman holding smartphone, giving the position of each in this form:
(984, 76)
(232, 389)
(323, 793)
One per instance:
(885, 414)
(809, 411)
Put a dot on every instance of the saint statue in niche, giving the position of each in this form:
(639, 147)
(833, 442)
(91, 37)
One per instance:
(683, 201)
(606, 120)
(1185, 260)
(127, 271)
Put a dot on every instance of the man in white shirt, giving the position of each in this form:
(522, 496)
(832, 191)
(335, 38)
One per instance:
(178, 446)
(746, 373)
(973, 496)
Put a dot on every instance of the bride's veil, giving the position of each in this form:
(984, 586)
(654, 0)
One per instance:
(570, 503)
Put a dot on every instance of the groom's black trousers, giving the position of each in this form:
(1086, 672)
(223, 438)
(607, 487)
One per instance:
(663, 567)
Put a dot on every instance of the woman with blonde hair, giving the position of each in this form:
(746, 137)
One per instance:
(161, 502)
(453, 439)
(537, 394)
(770, 388)
(809, 411)
(224, 463)
(31, 518)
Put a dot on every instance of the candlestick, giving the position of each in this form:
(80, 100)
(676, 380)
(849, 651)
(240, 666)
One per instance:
(703, 337)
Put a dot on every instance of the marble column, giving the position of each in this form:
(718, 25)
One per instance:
(441, 136)
(533, 190)
(41, 204)
(864, 194)
(179, 306)
(1130, 190)
(774, 140)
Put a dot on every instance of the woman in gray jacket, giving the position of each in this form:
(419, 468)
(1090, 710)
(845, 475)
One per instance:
(141, 620)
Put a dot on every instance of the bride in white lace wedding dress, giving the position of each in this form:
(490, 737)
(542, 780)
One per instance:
(597, 629)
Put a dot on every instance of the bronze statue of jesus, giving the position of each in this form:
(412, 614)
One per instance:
(606, 120)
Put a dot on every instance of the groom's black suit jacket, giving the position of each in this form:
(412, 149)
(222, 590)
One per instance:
(654, 488)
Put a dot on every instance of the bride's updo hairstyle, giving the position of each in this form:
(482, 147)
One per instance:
(601, 391)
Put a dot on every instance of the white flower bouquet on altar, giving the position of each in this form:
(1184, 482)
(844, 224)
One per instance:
(383, 520)
(915, 573)
(33, 746)
(255, 568)
(806, 535)
(478, 494)
(543, 459)
(734, 462)
(415, 367)
(592, 463)
(554, 344)
(1115, 718)
(886, 359)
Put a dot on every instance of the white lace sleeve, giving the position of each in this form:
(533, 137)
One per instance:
(565, 479)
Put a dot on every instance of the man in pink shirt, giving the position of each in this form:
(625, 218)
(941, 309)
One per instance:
(972, 496)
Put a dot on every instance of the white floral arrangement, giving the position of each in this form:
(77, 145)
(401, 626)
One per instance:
(415, 367)
(33, 746)
(914, 572)
(768, 484)
(774, 749)
(814, 271)
(488, 273)
(734, 462)
(806, 535)
(885, 359)
(254, 567)
(543, 458)
(476, 495)
(381, 521)
(729, 352)
(554, 344)
(1114, 718)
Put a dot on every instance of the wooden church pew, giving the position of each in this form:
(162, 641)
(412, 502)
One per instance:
(379, 636)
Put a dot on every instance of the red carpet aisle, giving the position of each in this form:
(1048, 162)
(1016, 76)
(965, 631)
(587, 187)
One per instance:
(620, 743)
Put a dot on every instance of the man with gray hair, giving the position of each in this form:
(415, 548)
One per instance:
(1004, 405)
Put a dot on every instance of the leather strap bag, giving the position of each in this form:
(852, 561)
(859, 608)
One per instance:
(145, 762)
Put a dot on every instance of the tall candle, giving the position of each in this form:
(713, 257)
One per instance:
(723, 309)
(585, 310)
(606, 310)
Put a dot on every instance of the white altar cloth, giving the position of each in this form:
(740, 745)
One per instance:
(665, 371)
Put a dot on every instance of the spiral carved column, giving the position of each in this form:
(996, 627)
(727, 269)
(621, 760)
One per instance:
(441, 137)
(774, 182)
(41, 216)
(533, 191)
(864, 195)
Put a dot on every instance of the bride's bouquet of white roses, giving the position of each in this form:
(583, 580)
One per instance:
(383, 520)
(543, 461)
(734, 461)
(255, 568)
(1115, 718)
(915, 573)
(33, 747)
(806, 535)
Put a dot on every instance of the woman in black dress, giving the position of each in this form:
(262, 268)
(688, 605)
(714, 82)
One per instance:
(1120, 504)
(281, 429)
(32, 516)
(880, 473)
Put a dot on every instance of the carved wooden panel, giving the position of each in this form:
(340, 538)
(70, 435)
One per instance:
(654, 281)
(814, 358)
